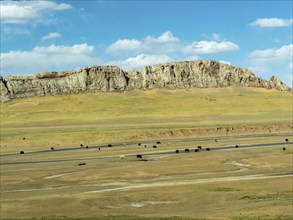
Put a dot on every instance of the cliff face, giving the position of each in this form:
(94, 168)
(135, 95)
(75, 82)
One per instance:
(191, 74)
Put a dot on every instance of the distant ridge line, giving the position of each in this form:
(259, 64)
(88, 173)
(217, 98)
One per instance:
(173, 75)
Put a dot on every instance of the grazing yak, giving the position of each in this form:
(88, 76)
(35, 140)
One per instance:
(138, 156)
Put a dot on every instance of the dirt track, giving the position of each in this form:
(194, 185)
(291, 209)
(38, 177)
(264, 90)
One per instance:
(212, 184)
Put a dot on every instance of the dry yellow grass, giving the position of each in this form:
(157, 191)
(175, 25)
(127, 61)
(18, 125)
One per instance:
(101, 117)
(206, 185)
(212, 185)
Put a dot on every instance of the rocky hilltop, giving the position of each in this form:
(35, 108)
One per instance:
(188, 74)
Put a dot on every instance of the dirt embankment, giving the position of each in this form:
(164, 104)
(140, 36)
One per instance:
(219, 131)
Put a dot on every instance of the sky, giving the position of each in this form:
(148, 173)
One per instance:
(40, 36)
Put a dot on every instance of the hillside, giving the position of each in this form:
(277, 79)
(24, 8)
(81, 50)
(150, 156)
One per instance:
(137, 114)
(176, 75)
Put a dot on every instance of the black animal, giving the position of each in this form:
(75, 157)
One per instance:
(286, 139)
(21, 152)
(81, 164)
(87, 147)
(208, 149)
(199, 147)
(236, 146)
(23, 138)
(81, 145)
(154, 146)
(284, 148)
(196, 150)
(52, 148)
(138, 156)
(145, 146)
(186, 150)
(109, 145)
(99, 148)
(177, 151)
(158, 142)
(139, 144)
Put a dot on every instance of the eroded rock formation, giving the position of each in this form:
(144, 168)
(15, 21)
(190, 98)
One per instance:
(189, 74)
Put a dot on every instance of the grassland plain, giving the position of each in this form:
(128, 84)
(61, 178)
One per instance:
(238, 184)
(100, 117)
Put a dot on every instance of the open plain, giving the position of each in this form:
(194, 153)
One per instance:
(81, 155)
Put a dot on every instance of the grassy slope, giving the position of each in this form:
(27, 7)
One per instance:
(102, 115)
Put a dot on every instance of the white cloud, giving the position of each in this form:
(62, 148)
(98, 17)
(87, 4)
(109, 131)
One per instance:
(51, 35)
(166, 37)
(272, 22)
(272, 61)
(77, 49)
(284, 52)
(20, 12)
(226, 62)
(140, 61)
(51, 58)
(207, 47)
(8, 31)
(166, 42)
(125, 45)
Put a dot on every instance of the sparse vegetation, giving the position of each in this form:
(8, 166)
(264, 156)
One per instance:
(264, 217)
(223, 189)
(114, 178)
(126, 217)
(65, 118)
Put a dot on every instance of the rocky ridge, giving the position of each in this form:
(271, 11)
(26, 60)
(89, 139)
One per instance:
(188, 74)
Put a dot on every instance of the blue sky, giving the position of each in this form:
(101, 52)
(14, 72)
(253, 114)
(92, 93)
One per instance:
(39, 36)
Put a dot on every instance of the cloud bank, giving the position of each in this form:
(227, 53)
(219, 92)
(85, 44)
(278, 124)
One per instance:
(21, 12)
(50, 58)
(272, 22)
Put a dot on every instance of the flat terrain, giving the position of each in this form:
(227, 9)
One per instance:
(251, 181)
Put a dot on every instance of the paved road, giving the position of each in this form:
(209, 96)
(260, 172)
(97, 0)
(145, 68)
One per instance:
(149, 143)
(191, 150)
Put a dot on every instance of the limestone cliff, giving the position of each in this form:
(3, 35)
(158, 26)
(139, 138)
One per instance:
(189, 74)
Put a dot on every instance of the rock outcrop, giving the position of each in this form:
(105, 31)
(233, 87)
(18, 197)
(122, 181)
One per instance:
(189, 74)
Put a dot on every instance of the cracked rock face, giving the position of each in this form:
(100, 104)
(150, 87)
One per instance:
(188, 74)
